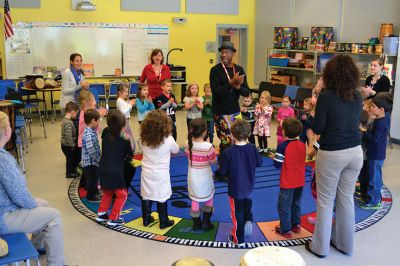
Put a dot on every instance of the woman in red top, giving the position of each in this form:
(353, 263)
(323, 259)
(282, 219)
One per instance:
(155, 72)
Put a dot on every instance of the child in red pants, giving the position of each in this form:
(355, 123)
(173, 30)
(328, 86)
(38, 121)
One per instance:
(115, 151)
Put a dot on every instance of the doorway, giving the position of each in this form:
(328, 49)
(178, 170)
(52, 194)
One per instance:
(237, 34)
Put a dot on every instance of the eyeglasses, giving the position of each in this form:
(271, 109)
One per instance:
(225, 52)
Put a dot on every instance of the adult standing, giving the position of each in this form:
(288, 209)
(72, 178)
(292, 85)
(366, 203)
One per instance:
(155, 72)
(20, 212)
(72, 81)
(377, 82)
(339, 158)
(228, 81)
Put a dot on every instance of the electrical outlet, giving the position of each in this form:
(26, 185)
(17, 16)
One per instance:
(211, 61)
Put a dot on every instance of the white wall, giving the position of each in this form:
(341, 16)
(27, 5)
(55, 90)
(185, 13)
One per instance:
(353, 21)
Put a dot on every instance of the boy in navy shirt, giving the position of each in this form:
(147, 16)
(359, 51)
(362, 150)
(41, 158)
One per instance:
(376, 150)
(239, 162)
(290, 156)
(166, 101)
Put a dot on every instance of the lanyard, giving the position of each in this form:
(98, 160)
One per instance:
(226, 71)
(159, 74)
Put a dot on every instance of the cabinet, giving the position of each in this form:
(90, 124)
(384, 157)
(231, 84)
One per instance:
(311, 63)
(178, 78)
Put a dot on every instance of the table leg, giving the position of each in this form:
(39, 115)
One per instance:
(45, 105)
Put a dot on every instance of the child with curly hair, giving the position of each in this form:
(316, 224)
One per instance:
(263, 115)
(155, 183)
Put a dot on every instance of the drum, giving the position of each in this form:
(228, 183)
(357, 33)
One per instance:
(272, 256)
(37, 83)
(192, 261)
(386, 30)
(8, 108)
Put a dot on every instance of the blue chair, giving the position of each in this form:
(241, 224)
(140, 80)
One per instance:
(19, 249)
(101, 92)
(301, 95)
(95, 93)
(4, 85)
(113, 92)
(291, 91)
(133, 88)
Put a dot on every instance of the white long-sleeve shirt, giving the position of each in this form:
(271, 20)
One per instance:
(124, 107)
(68, 88)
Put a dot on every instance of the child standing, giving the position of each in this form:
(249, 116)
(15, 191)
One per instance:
(193, 103)
(144, 103)
(206, 113)
(166, 101)
(376, 150)
(285, 111)
(68, 139)
(124, 105)
(306, 117)
(290, 156)
(91, 155)
(200, 176)
(155, 183)
(248, 109)
(239, 162)
(115, 151)
(262, 125)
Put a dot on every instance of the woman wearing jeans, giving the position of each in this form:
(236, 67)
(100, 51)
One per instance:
(339, 158)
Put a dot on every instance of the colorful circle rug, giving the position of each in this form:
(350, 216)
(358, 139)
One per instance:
(265, 212)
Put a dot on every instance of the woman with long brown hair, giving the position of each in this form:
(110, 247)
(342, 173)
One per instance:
(155, 72)
(339, 159)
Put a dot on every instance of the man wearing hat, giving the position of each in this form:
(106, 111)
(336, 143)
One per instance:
(228, 81)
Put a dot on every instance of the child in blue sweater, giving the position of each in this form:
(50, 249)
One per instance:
(376, 140)
(239, 162)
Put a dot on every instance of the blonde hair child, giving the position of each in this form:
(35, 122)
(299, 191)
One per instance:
(124, 105)
(193, 103)
(262, 126)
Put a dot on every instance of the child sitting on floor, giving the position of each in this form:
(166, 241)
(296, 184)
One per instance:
(200, 155)
(290, 156)
(155, 183)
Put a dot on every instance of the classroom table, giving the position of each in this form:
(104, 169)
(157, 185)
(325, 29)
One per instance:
(43, 91)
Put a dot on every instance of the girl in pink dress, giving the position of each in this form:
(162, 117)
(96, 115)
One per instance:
(284, 112)
(263, 114)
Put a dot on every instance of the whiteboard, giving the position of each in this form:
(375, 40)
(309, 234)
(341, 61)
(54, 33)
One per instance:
(106, 46)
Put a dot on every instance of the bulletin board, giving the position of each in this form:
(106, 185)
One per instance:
(106, 46)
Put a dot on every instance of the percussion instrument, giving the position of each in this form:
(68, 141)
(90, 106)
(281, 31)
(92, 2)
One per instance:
(272, 256)
(386, 30)
(192, 261)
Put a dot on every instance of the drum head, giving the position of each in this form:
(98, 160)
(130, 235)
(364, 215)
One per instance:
(39, 83)
(192, 261)
(272, 256)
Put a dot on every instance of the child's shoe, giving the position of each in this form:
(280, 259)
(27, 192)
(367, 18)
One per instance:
(196, 224)
(102, 217)
(95, 199)
(248, 228)
(240, 245)
(311, 220)
(285, 235)
(296, 229)
(118, 221)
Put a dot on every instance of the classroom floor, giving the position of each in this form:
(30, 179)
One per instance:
(87, 243)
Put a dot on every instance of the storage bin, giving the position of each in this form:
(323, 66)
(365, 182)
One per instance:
(390, 45)
(283, 62)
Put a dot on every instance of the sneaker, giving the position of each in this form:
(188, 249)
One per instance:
(119, 221)
(285, 235)
(311, 220)
(102, 217)
(369, 206)
(96, 199)
(240, 245)
(248, 228)
(296, 229)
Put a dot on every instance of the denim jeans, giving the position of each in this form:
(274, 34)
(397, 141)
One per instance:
(374, 180)
(289, 208)
(91, 173)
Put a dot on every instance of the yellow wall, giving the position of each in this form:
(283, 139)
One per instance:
(191, 36)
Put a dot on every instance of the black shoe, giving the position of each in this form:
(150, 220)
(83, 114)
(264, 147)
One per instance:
(146, 212)
(41, 251)
(72, 175)
(101, 218)
(119, 221)
(307, 245)
(95, 199)
(341, 251)
(163, 215)
(196, 223)
(206, 224)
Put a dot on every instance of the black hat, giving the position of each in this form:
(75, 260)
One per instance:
(227, 45)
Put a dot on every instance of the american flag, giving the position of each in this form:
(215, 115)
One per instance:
(8, 31)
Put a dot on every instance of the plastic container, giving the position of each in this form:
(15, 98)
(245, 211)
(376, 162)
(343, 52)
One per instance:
(283, 62)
